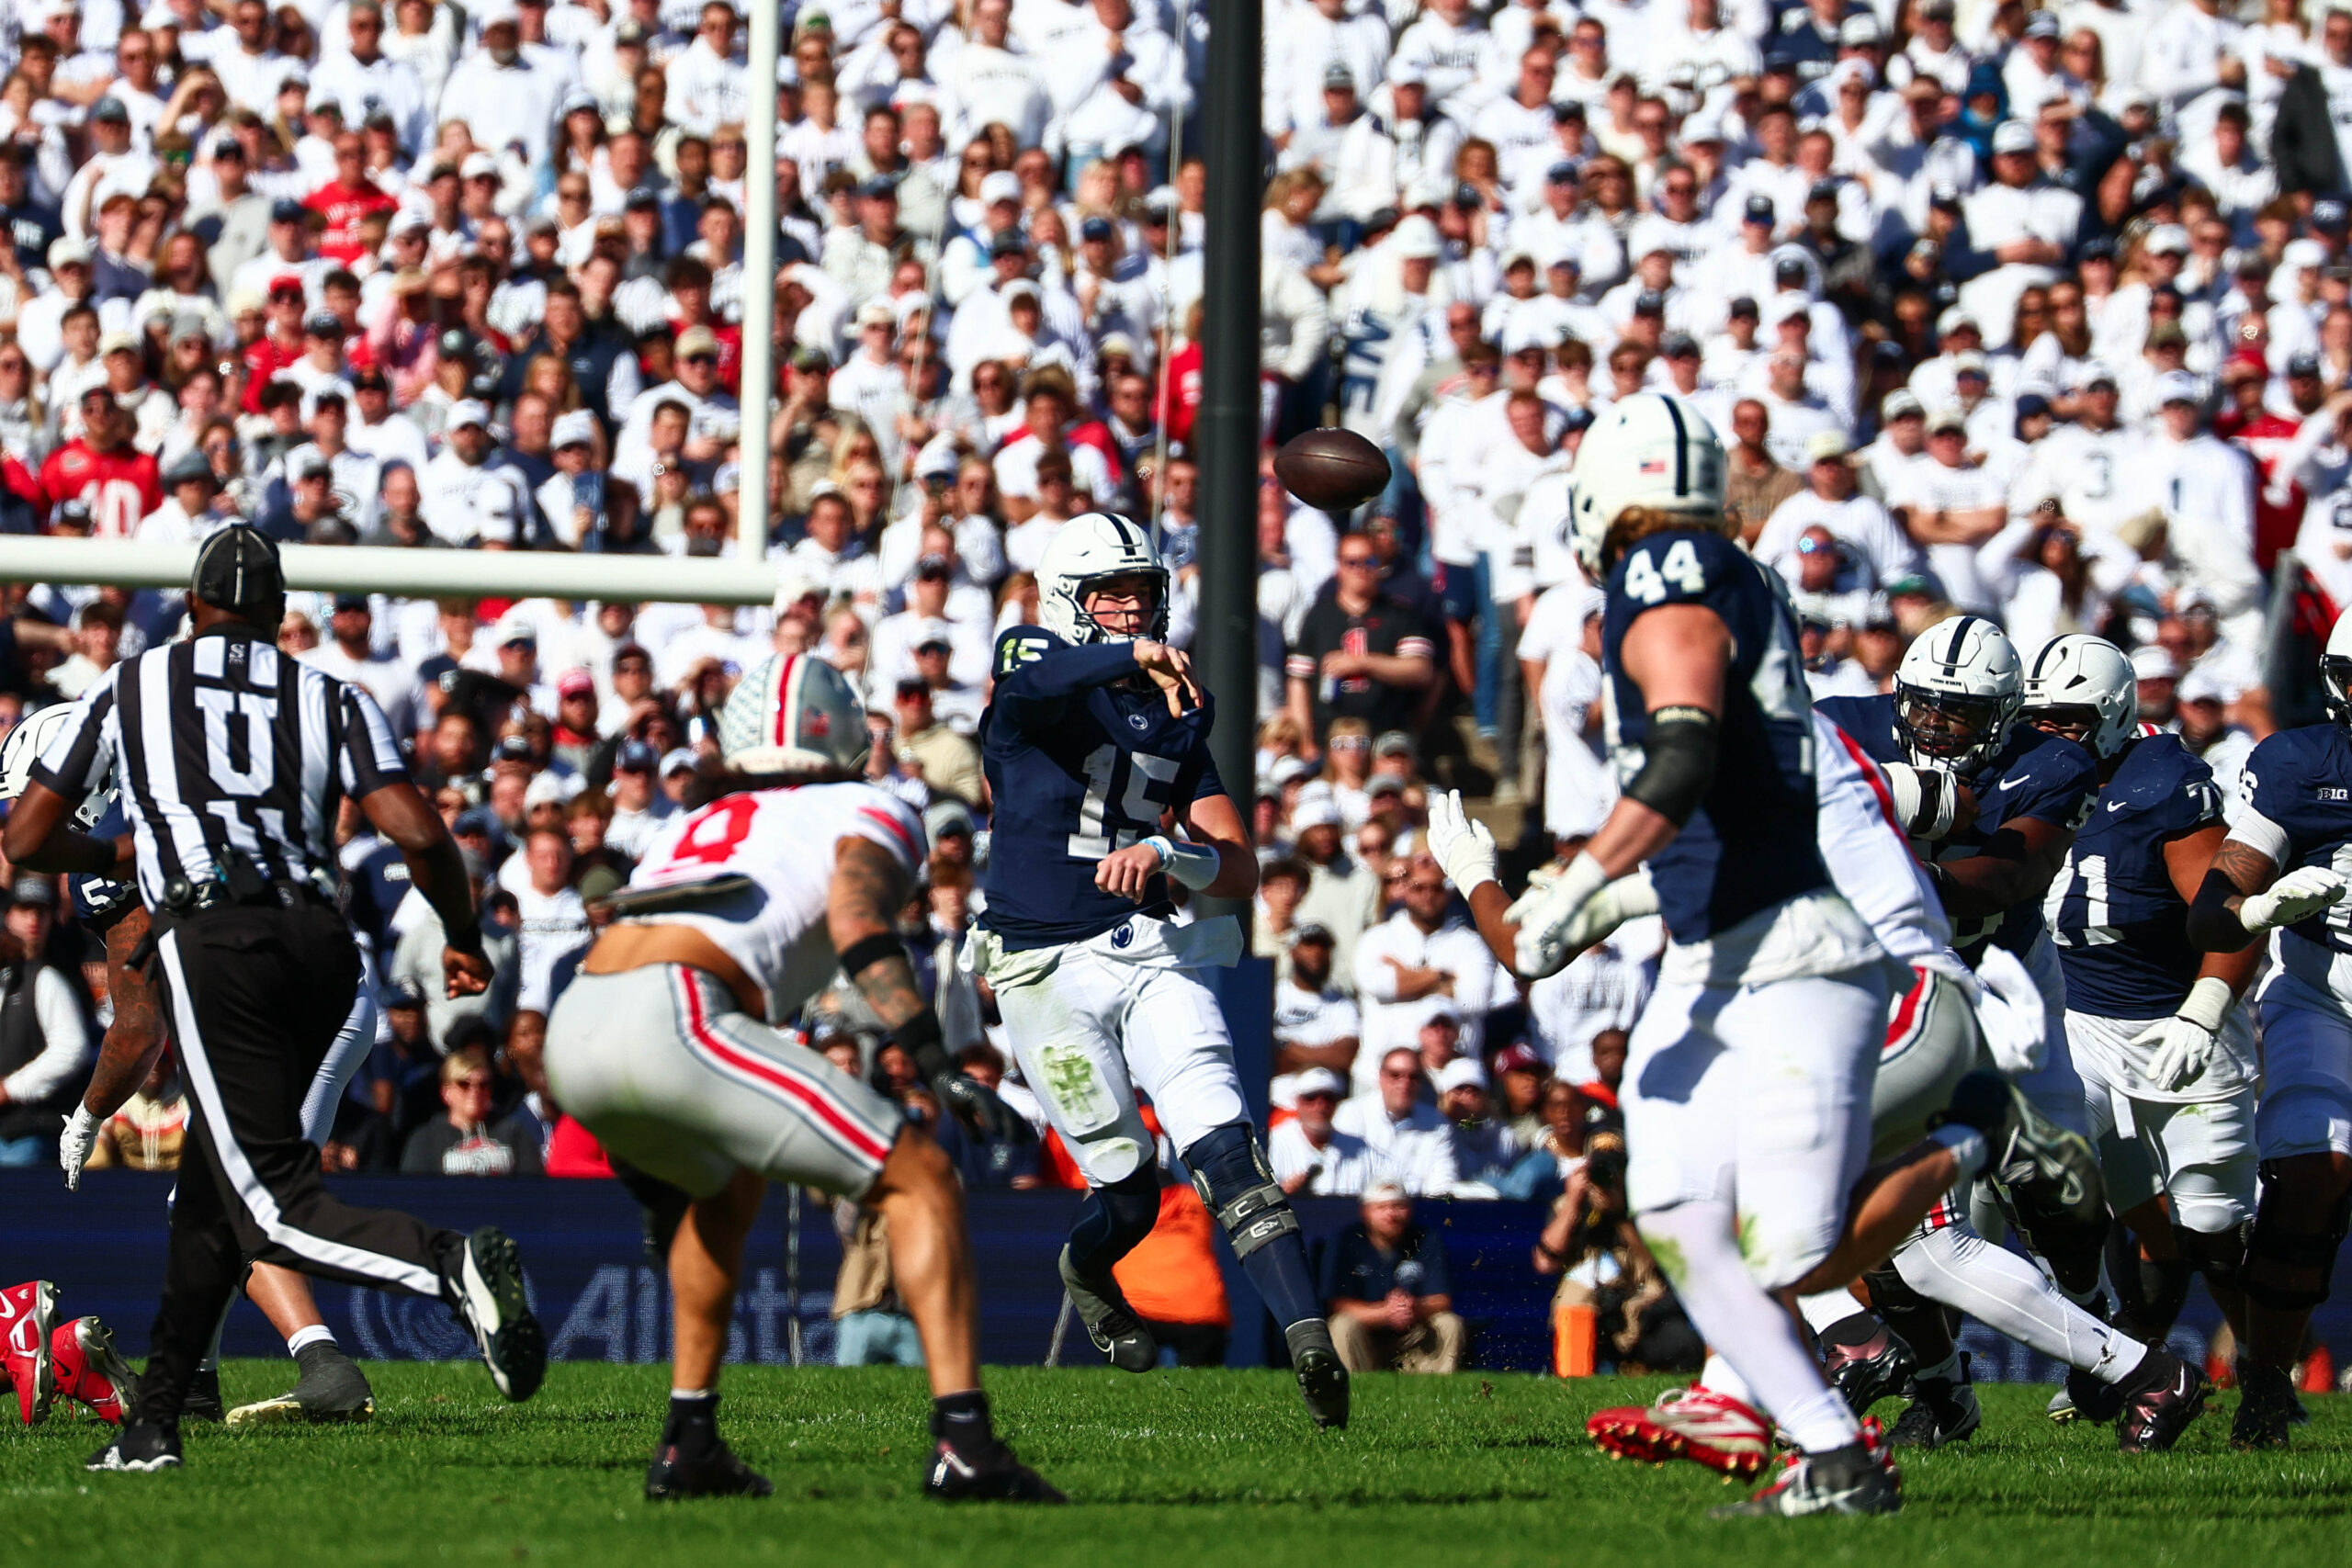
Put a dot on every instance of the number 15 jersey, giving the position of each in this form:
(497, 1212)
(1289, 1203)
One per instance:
(1752, 842)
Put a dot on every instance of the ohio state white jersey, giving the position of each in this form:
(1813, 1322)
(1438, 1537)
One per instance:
(1869, 858)
(784, 840)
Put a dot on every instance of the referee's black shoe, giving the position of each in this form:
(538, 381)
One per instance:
(202, 1400)
(482, 1281)
(140, 1446)
(678, 1472)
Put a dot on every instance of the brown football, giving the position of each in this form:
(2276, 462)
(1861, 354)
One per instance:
(1331, 469)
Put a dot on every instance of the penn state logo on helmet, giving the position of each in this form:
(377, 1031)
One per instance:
(793, 714)
(25, 744)
(1088, 552)
(1653, 450)
(2084, 686)
(1957, 693)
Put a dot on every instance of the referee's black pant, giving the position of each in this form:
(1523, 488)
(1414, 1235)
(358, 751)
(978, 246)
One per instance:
(256, 994)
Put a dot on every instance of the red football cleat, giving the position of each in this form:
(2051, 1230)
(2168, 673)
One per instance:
(24, 1314)
(1697, 1424)
(90, 1371)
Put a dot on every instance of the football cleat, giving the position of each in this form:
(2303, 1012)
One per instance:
(676, 1474)
(2159, 1402)
(984, 1473)
(140, 1446)
(1697, 1424)
(2027, 1153)
(331, 1388)
(25, 1314)
(1942, 1410)
(1322, 1376)
(1859, 1477)
(202, 1400)
(90, 1371)
(1875, 1369)
(1109, 1323)
(483, 1281)
(2083, 1397)
(2266, 1406)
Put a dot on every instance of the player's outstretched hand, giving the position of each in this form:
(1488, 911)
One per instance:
(1128, 872)
(464, 974)
(2294, 897)
(1463, 846)
(1170, 669)
(976, 1106)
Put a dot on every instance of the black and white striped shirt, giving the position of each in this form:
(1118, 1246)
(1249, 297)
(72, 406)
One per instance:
(221, 743)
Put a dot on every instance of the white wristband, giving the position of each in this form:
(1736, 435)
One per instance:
(1194, 865)
(2206, 1002)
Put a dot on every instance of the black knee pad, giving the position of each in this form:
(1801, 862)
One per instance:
(1114, 1219)
(2219, 1254)
(2280, 1263)
(1231, 1173)
(1891, 1293)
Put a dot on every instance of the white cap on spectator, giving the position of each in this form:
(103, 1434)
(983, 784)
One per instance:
(2012, 136)
(2167, 239)
(546, 789)
(1317, 1081)
(875, 313)
(2299, 255)
(468, 411)
(2093, 373)
(1316, 813)
(1018, 288)
(1785, 308)
(2180, 386)
(1951, 416)
(1522, 334)
(1954, 319)
(2154, 661)
(1405, 73)
(1827, 445)
(476, 165)
(492, 12)
(1901, 403)
(66, 249)
(680, 758)
(1415, 238)
(1460, 1073)
(1002, 185)
(1290, 768)
(577, 428)
(1386, 1193)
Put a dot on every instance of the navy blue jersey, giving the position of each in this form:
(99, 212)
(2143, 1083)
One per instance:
(1081, 763)
(100, 902)
(2037, 776)
(1751, 843)
(2120, 925)
(2300, 781)
(375, 881)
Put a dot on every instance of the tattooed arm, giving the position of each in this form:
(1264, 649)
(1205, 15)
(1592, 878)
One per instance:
(136, 1036)
(2238, 870)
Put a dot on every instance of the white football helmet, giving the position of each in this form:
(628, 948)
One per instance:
(2081, 680)
(1956, 694)
(794, 714)
(24, 746)
(1089, 548)
(2335, 673)
(1653, 449)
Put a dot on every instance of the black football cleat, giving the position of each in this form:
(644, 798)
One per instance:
(715, 1471)
(1109, 1323)
(202, 1400)
(1942, 1410)
(140, 1446)
(1322, 1376)
(483, 1284)
(1859, 1477)
(2083, 1398)
(330, 1389)
(2160, 1399)
(984, 1473)
(1867, 1371)
(2267, 1403)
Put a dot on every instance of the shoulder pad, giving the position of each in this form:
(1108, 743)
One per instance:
(1022, 645)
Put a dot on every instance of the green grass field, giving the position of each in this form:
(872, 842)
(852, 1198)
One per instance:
(1218, 1468)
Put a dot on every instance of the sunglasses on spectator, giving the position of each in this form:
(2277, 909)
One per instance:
(1350, 743)
(1365, 561)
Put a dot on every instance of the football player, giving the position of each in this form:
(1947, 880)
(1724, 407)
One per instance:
(332, 1387)
(2282, 869)
(2164, 1052)
(1951, 721)
(1096, 748)
(666, 1045)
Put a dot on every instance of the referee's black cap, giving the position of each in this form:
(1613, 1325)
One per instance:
(238, 571)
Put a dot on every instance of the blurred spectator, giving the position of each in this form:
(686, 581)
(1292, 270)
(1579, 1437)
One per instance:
(1390, 1291)
(44, 1034)
(465, 1142)
(1413, 1142)
(1425, 953)
(1309, 1155)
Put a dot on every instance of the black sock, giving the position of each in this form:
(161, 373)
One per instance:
(693, 1425)
(961, 1420)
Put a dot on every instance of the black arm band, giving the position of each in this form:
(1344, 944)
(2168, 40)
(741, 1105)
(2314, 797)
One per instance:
(466, 940)
(2212, 928)
(869, 951)
(920, 1037)
(1677, 762)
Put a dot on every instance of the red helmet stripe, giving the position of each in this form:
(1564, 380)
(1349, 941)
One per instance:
(785, 730)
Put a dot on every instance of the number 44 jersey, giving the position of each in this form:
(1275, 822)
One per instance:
(752, 873)
(1081, 763)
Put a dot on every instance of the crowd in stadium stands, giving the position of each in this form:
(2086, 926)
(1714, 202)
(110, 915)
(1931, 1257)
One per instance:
(2042, 313)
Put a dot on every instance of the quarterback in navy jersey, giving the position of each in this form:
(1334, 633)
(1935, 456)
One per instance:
(2282, 870)
(1096, 748)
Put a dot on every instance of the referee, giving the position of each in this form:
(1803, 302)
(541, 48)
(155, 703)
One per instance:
(231, 761)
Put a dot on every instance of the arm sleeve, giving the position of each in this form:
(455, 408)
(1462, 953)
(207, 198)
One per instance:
(371, 756)
(1036, 678)
(65, 1039)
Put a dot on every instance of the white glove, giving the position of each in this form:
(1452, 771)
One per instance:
(2013, 1012)
(2297, 896)
(2182, 1045)
(1464, 847)
(1545, 914)
(74, 1146)
(1621, 900)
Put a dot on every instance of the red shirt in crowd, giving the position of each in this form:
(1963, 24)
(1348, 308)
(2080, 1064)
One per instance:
(263, 360)
(2277, 517)
(1183, 391)
(119, 487)
(343, 208)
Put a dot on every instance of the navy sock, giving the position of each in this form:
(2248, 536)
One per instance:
(1279, 1272)
(1111, 1222)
